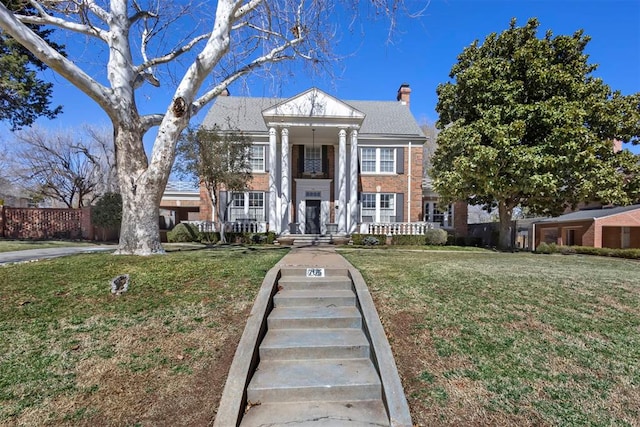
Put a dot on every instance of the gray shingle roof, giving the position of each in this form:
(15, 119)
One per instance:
(382, 117)
(591, 214)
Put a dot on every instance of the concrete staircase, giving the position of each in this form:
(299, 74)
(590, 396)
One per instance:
(315, 366)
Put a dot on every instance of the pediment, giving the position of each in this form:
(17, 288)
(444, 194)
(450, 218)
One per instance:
(315, 104)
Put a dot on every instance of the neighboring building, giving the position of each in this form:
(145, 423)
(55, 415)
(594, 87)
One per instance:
(180, 202)
(612, 227)
(321, 164)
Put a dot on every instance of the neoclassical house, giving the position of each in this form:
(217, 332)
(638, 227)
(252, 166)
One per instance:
(323, 165)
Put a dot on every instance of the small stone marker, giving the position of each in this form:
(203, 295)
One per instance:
(315, 272)
(120, 284)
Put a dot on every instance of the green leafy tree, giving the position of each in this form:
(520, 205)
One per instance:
(23, 96)
(524, 123)
(219, 160)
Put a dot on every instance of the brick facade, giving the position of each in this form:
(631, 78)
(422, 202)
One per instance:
(399, 183)
(605, 232)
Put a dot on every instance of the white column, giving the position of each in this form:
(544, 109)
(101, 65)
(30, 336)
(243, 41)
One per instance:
(353, 184)
(342, 181)
(274, 223)
(284, 183)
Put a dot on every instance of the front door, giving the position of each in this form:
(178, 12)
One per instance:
(312, 217)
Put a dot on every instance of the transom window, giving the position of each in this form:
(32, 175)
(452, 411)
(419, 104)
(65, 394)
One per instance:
(378, 207)
(257, 158)
(247, 206)
(312, 159)
(377, 160)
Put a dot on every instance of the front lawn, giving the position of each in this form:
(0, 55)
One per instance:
(72, 354)
(511, 339)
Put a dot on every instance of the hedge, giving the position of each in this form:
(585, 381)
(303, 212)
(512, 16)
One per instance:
(551, 248)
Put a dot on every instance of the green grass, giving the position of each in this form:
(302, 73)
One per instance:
(514, 339)
(21, 245)
(68, 347)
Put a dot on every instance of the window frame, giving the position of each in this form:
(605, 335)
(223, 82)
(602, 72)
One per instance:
(247, 205)
(252, 159)
(378, 160)
(379, 211)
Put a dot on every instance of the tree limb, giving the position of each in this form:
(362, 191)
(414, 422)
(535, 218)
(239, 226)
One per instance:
(45, 53)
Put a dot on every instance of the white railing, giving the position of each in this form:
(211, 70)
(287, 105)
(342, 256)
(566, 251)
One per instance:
(397, 228)
(231, 227)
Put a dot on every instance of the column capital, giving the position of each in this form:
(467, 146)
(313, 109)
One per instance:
(342, 133)
(285, 131)
(272, 131)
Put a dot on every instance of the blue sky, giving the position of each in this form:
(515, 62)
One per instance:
(423, 49)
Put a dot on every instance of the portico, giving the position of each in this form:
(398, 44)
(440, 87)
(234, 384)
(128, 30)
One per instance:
(321, 186)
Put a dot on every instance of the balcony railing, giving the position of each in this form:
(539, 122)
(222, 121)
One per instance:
(397, 228)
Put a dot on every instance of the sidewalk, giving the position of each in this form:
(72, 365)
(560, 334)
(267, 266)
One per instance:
(46, 253)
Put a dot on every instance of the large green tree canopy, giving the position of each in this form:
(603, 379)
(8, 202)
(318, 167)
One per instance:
(525, 123)
(23, 95)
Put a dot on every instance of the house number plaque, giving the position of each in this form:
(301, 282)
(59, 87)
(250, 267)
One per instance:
(315, 272)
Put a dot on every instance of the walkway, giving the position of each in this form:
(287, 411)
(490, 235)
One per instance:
(313, 352)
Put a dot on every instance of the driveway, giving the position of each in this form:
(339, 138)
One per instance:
(45, 253)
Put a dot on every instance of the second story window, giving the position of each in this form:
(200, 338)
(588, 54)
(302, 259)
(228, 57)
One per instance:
(377, 160)
(313, 159)
(257, 158)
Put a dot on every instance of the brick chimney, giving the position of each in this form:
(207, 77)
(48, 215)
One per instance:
(404, 94)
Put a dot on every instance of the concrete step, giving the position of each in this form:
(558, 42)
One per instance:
(314, 380)
(304, 283)
(363, 413)
(315, 297)
(314, 317)
(299, 344)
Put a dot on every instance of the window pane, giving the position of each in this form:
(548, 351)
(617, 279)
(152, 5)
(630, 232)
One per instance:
(387, 208)
(368, 160)
(312, 159)
(256, 206)
(236, 207)
(368, 208)
(257, 157)
(387, 160)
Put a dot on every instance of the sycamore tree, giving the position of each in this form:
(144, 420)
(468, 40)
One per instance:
(218, 160)
(526, 124)
(191, 51)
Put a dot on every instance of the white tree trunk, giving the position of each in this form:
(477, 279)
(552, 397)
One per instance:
(141, 189)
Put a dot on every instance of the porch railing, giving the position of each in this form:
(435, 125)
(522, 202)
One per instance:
(397, 228)
(231, 227)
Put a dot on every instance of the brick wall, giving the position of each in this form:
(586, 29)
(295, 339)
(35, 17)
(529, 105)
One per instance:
(36, 223)
(398, 184)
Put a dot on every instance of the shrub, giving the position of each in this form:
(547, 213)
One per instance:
(358, 239)
(567, 250)
(370, 241)
(618, 253)
(107, 212)
(182, 233)
(436, 237)
(418, 240)
(210, 237)
(547, 248)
